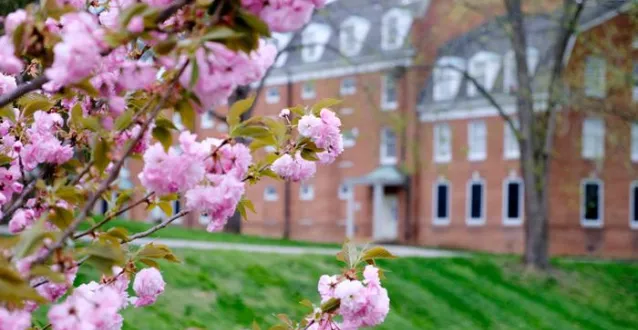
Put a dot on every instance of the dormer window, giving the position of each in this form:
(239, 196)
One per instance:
(314, 38)
(352, 33)
(447, 77)
(281, 40)
(484, 68)
(510, 80)
(395, 26)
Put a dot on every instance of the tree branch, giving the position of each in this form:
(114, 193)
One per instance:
(113, 216)
(20, 200)
(82, 174)
(156, 227)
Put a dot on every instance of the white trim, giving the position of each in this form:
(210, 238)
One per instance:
(468, 203)
(633, 142)
(385, 104)
(632, 224)
(344, 196)
(438, 157)
(601, 204)
(509, 137)
(271, 99)
(308, 193)
(436, 221)
(383, 159)
(460, 110)
(308, 94)
(270, 197)
(347, 90)
(507, 221)
(474, 154)
(336, 72)
(590, 129)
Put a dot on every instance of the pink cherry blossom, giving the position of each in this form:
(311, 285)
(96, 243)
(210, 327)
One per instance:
(136, 24)
(158, 3)
(110, 17)
(326, 287)
(283, 15)
(137, 75)
(21, 220)
(14, 320)
(77, 4)
(9, 63)
(13, 20)
(284, 113)
(297, 169)
(218, 200)
(7, 84)
(324, 132)
(43, 146)
(148, 285)
(308, 124)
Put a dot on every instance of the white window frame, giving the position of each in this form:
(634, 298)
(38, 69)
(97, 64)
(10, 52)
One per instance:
(348, 90)
(271, 197)
(350, 137)
(384, 159)
(344, 195)
(511, 148)
(208, 120)
(306, 192)
(507, 221)
(599, 73)
(601, 204)
(634, 142)
(468, 203)
(474, 152)
(435, 203)
(439, 148)
(272, 98)
(632, 224)
(385, 103)
(589, 132)
(307, 94)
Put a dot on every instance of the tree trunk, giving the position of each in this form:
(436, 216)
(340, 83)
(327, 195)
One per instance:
(536, 214)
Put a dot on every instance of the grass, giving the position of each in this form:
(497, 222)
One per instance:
(228, 290)
(178, 232)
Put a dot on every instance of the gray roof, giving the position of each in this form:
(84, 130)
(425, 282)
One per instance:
(333, 15)
(491, 36)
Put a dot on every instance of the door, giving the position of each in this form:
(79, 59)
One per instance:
(387, 228)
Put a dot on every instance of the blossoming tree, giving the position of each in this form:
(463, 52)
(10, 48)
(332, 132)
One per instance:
(85, 86)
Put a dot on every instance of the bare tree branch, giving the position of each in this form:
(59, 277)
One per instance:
(157, 227)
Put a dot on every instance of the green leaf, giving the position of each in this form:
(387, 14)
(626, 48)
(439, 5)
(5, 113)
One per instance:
(249, 205)
(164, 136)
(330, 305)
(194, 73)
(104, 255)
(77, 114)
(187, 113)
(33, 102)
(306, 303)
(150, 262)
(118, 232)
(255, 23)
(92, 124)
(252, 132)
(124, 120)
(165, 123)
(221, 32)
(86, 86)
(70, 194)
(156, 251)
(7, 112)
(165, 46)
(18, 36)
(4, 159)
(242, 210)
(123, 197)
(100, 154)
(45, 271)
(31, 240)
(325, 103)
(166, 207)
(309, 155)
(237, 109)
(60, 217)
(377, 252)
(277, 127)
(278, 327)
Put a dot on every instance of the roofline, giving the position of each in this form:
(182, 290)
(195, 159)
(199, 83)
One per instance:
(596, 21)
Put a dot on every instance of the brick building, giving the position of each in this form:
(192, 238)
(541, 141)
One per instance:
(428, 160)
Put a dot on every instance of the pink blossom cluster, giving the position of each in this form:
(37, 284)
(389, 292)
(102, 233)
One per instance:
(9, 62)
(9, 175)
(14, 319)
(294, 169)
(283, 15)
(362, 303)
(122, 137)
(148, 285)
(324, 132)
(210, 173)
(44, 146)
(221, 70)
(21, 220)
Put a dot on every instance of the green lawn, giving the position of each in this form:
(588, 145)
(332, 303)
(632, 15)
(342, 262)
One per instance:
(228, 290)
(179, 232)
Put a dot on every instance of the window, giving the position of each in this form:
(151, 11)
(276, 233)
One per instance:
(306, 192)
(635, 83)
(510, 142)
(633, 205)
(348, 38)
(308, 90)
(512, 202)
(476, 140)
(352, 34)
(345, 191)
(478, 70)
(593, 138)
(395, 25)
(270, 194)
(595, 72)
(447, 77)
(634, 142)
(348, 86)
(208, 120)
(272, 95)
(346, 111)
(177, 206)
(510, 79)
(441, 202)
(314, 38)
(350, 137)
(475, 202)
(591, 203)
(388, 146)
(389, 92)
(442, 143)
(310, 45)
(177, 121)
(392, 30)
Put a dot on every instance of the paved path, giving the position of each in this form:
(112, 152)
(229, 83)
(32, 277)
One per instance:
(401, 251)
(398, 250)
